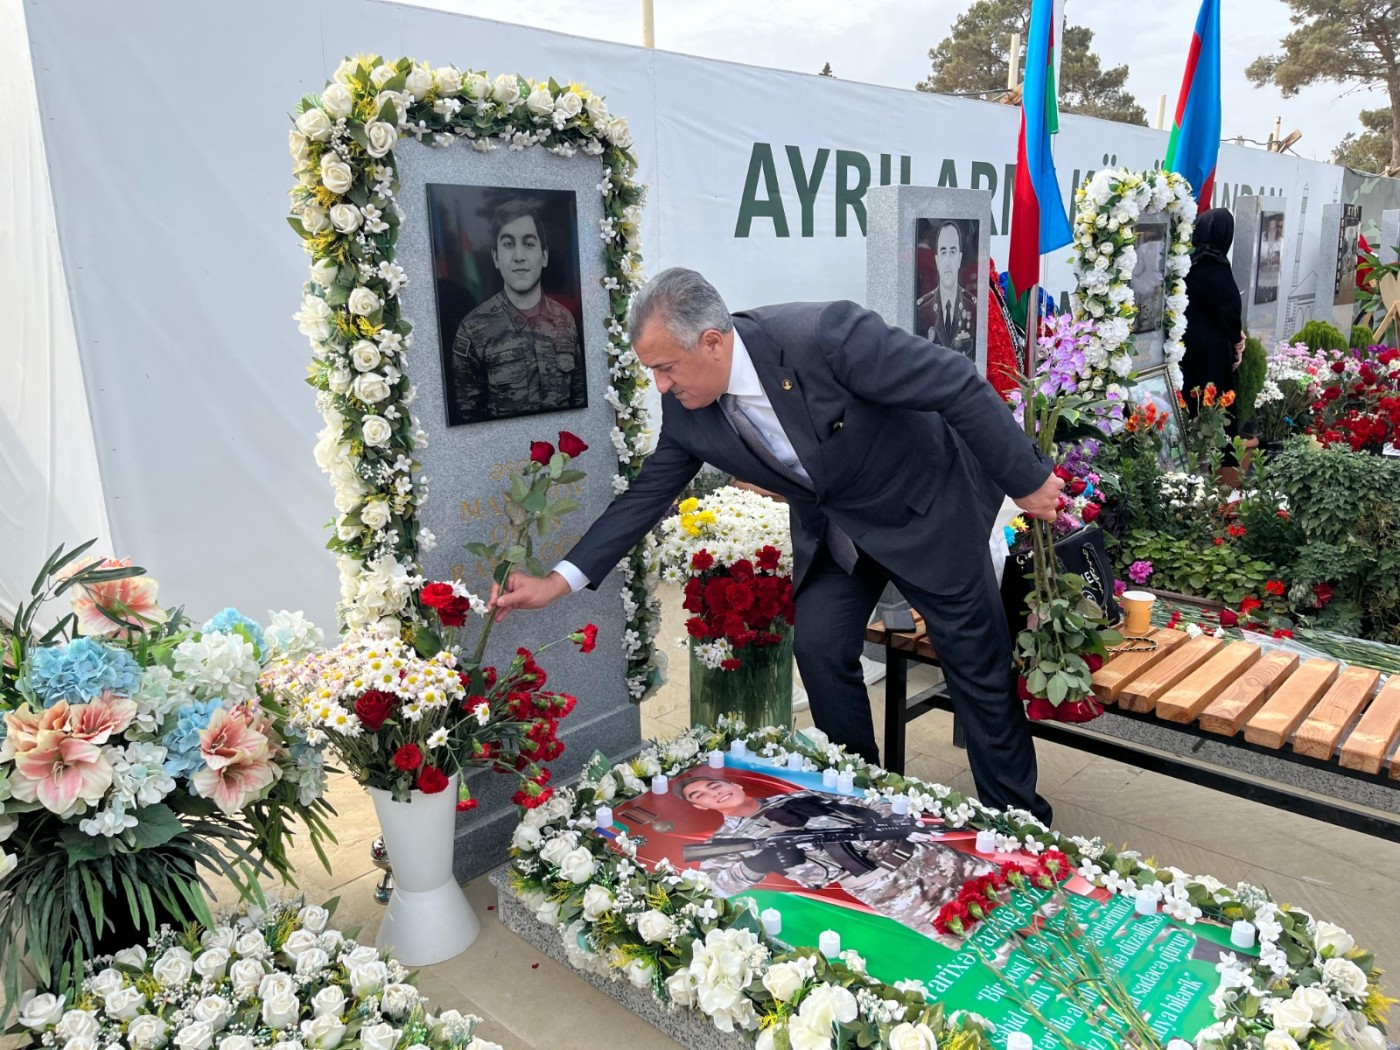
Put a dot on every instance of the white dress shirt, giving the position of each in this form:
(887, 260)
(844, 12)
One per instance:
(745, 385)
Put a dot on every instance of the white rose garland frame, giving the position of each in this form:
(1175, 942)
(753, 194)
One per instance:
(1108, 205)
(666, 931)
(344, 209)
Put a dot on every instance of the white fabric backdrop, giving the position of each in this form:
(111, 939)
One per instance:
(165, 129)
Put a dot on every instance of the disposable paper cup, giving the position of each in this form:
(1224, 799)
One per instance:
(1137, 612)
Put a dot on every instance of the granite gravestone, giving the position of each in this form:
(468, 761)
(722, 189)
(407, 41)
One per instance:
(1256, 260)
(470, 466)
(1389, 250)
(1336, 255)
(926, 253)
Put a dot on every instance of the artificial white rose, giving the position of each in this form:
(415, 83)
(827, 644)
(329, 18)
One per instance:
(332, 940)
(826, 1004)
(555, 850)
(806, 1034)
(337, 101)
(339, 380)
(654, 926)
(146, 1032)
(578, 865)
(360, 954)
(397, 1000)
(251, 945)
(363, 302)
(245, 974)
(1370, 1038)
(275, 984)
(681, 988)
(345, 217)
(597, 901)
(78, 1024)
(380, 1036)
(1345, 976)
(135, 956)
(124, 1003)
(312, 917)
(336, 175)
(299, 941)
(195, 1036)
(314, 220)
(449, 81)
(312, 961)
(323, 272)
(477, 86)
(329, 1000)
(1332, 940)
(380, 138)
(314, 124)
(81, 1043)
(324, 1032)
(548, 913)
(364, 355)
(396, 100)
(617, 131)
(640, 972)
(41, 1011)
(1324, 1010)
(541, 102)
(1293, 1017)
(108, 980)
(298, 145)
(418, 82)
(908, 1036)
(567, 106)
(239, 1042)
(375, 430)
(506, 89)
(783, 981)
(214, 1010)
(367, 978)
(280, 1010)
(597, 109)
(525, 837)
(382, 74)
(212, 963)
(370, 388)
(606, 789)
(173, 968)
(1279, 1039)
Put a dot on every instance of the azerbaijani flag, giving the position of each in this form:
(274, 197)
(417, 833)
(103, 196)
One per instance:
(1195, 141)
(1038, 220)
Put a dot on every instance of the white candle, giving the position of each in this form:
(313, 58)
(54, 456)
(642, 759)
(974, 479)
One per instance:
(716, 759)
(772, 920)
(794, 760)
(829, 943)
(1146, 902)
(1019, 1041)
(737, 748)
(899, 805)
(1180, 1044)
(829, 777)
(660, 784)
(604, 817)
(846, 782)
(1242, 934)
(986, 842)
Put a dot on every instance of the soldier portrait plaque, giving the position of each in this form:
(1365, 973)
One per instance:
(1269, 257)
(506, 276)
(945, 283)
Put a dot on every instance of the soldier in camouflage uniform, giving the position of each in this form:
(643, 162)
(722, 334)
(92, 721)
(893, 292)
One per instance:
(518, 352)
(907, 880)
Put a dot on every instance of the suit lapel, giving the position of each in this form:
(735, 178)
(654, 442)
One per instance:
(784, 392)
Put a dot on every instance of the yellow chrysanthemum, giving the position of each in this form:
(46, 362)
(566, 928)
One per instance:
(689, 506)
(1018, 524)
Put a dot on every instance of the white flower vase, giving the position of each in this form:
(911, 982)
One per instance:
(429, 918)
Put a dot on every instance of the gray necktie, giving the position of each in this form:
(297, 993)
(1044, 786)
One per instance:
(842, 548)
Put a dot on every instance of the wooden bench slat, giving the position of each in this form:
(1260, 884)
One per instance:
(1274, 723)
(1317, 737)
(1142, 692)
(1189, 697)
(1238, 702)
(1110, 679)
(1376, 733)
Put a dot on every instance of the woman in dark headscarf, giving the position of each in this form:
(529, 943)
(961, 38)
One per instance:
(1214, 334)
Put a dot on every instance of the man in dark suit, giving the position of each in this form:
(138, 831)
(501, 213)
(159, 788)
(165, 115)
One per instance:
(893, 455)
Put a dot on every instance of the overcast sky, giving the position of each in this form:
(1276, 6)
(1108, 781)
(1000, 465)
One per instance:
(887, 42)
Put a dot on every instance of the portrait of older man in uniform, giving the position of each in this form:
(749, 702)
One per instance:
(517, 351)
(946, 292)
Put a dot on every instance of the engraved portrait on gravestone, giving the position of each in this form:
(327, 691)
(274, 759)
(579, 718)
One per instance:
(1268, 259)
(946, 271)
(506, 274)
(1348, 243)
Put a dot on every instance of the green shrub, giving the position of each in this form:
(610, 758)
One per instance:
(1254, 367)
(1319, 335)
(1222, 571)
(1362, 337)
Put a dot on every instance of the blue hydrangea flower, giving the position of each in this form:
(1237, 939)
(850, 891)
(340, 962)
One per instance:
(80, 670)
(230, 618)
(182, 742)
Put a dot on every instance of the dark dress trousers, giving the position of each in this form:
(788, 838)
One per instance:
(909, 451)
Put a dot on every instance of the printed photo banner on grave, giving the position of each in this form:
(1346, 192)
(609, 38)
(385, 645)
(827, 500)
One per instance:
(926, 264)
(1257, 262)
(362, 305)
(1341, 229)
(1132, 250)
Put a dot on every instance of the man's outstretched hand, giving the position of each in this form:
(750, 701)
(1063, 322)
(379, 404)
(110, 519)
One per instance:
(1044, 502)
(526, 592)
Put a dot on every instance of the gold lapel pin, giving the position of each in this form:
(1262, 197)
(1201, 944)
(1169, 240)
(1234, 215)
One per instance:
(787, 384)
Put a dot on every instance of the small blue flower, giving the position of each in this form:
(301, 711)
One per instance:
(230, 618)
(182, 743)
(80, 670)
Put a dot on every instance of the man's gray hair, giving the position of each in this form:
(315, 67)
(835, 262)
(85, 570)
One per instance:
(684, 302)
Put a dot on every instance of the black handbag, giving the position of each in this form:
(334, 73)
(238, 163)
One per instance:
(1083, 553)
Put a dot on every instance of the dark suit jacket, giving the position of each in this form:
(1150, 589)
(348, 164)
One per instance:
(908, 448)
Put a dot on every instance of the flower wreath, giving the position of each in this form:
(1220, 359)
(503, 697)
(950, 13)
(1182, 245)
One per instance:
(344, 209)
(666, 930)
(1105, 229)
